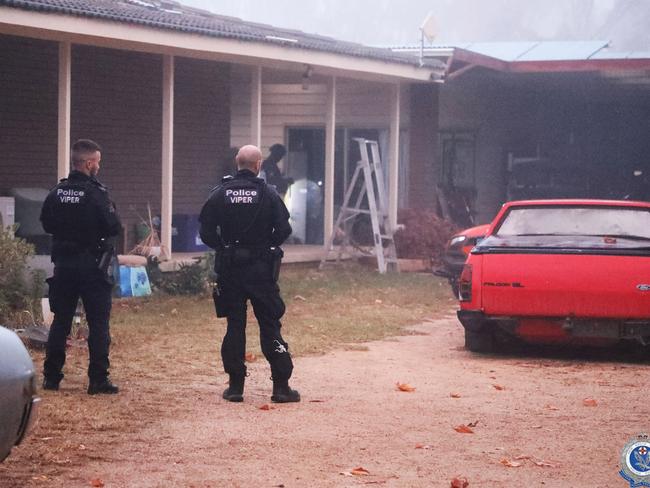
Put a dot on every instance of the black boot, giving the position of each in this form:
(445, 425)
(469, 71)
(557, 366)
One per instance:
(282, 393)
(49, 384)
(104, 387)
(235, 392)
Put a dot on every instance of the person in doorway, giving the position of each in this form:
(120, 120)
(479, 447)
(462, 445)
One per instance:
(83, 222)
(272, 171)
(245, 221)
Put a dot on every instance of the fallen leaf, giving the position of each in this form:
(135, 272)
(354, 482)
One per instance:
(359, 471)
(473, 424)
(266, 406)
(97, 483)
(545, 464)
(455, 395)
(459, 483)
(300, 297)
(174, 311)
(499, 387)
(405, 387)
(523, 456)
(316, 401)
(250, 357)
(589, 402)
(422, 446)
(551, 407)
(510, 464)
(463, 429)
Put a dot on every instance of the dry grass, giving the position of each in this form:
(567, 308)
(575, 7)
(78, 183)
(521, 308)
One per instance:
(164, 347)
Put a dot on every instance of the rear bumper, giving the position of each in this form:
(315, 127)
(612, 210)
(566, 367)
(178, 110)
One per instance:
(569, 327)
(472, 320)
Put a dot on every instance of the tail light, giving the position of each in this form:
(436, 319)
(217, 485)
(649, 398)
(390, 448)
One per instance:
(465, 284)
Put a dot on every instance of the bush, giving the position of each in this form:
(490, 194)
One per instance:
(20, 291)
(190, 279)
(424, 235)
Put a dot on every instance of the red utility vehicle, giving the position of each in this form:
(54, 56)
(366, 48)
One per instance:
(559, 271)
(456, 252)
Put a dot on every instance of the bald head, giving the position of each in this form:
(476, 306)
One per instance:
(249, 157)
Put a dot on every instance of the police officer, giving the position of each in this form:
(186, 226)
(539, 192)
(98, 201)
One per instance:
(83, 222)
(245, 221)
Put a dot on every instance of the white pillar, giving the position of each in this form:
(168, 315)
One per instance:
(167, 155)
(330, 137)
(256, 106)
(393, 169)
(63, 142)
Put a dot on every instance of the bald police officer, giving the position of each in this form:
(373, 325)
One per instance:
(245, 221)
(83, 221)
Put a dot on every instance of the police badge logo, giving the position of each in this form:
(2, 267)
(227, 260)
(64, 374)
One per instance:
(635, 461)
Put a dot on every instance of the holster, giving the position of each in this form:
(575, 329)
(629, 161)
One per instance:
(107, 262)
(221, 305)
(52, 293)
(275, 258)
(223, 260)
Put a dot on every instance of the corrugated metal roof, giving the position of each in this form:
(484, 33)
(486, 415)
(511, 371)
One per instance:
(562, 51)
(506, 51)
(532, 50)
(171, 15)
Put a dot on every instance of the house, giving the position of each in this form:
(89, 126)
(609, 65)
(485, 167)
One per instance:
(167, 90)
(541, 119)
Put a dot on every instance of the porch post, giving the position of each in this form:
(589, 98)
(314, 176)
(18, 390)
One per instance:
(63, 142)
(330, 135)
(167, 155)
(256, 106)
(393, 168)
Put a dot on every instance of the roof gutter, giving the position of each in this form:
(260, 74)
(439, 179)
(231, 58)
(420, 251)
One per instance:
(119, 35)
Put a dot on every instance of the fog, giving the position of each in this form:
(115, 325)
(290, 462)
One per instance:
(396, 22)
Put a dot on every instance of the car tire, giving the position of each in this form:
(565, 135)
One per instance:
(481, 341)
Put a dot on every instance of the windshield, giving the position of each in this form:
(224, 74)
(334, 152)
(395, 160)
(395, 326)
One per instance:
(577, 221)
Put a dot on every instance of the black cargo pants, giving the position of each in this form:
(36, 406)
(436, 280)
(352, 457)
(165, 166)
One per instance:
(253, 282)
(68, 284)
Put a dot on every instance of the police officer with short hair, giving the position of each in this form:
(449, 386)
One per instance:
(245, 221)
(83, 222)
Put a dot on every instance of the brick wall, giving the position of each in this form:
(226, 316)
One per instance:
(28, 112)
(201, 131)
(116, 101)
(423, 146)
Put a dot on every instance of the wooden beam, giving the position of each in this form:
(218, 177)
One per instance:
(256, 106)
(393, 161)
(330, 140)
(167, 156)
(579, 65)
(63, 130)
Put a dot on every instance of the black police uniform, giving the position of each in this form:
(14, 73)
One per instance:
(242, 219)
(81, 218)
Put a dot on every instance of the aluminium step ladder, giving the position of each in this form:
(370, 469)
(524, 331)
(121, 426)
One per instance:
(369, 168)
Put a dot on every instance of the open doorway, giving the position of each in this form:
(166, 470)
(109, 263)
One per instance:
(305, 198)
